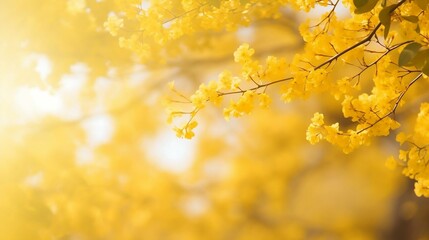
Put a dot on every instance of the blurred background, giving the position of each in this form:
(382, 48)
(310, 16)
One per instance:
(86, 153)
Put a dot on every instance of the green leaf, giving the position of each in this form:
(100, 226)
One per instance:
(359, 3)
(408, 54)
(385, 18)
(412, 19)
(417, 28)
(363, 6)
(423, 4)
(421, 58)
(425, 69)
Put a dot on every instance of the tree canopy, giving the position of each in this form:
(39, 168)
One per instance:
(214, 119)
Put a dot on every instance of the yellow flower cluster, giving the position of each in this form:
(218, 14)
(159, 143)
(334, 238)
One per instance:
(372, 121)
(415, 157)
(113, 24)
(370, 94)
(168, 26)
(372, 113)
(243, 101)
(244, 105)
(243, 56)
(347, 141)
(187, 131)
(275, 68)
(421, 188)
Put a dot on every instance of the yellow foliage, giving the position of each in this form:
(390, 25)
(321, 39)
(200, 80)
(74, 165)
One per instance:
(85, 152)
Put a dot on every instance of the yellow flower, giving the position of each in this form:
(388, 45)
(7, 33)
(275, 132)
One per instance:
(264, 100)
(391, 163)
(421, 188)
(113, 24)
(243, 54)
(401, 138)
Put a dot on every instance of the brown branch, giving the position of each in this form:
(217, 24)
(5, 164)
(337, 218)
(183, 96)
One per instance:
(363, 41)
(255, 88)
(381, 57)
(395, 106)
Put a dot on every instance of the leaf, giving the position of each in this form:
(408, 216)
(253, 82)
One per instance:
(421, 58)
(425, 69)
(408, 54)
(385, 18)
(423, 4)
(363, 6)
(359, 3)
(412, 19)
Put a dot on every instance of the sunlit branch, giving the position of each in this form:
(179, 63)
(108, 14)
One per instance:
(367, 66)
(259, 86)
(363, 41)
(395, 106)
